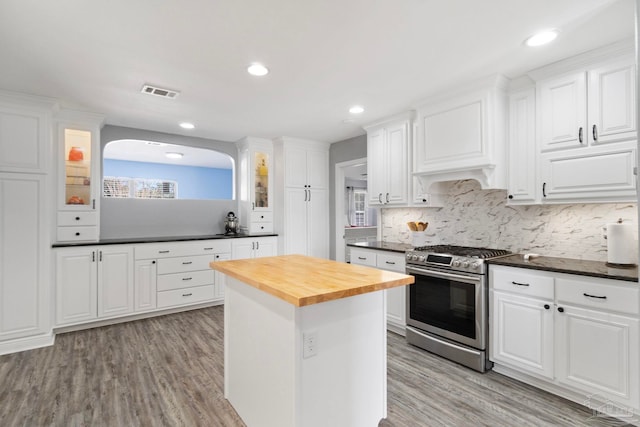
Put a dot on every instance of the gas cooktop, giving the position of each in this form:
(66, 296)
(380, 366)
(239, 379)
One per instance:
(459, 258)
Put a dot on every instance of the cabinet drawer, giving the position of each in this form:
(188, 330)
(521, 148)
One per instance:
(520, 281)
(185, 280)
(181, 249)
(261, 217)
(185, 296)
(77, 234)
(391, 262)
(77, 218)
(603, 294)
(180, 264)
(361, 257)
(261, 227)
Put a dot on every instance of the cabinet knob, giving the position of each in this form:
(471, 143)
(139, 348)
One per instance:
(77, 233)
(424, 200)
(153, 262)
(547, 306)
(510, 196)
(262, 227)
(77, 218)
(561, 310)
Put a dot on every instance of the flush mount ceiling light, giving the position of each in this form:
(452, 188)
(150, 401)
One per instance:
(187, 125)
(174, 155)
(541, 38)
(356, 109)
(156, 144)
(257, 69)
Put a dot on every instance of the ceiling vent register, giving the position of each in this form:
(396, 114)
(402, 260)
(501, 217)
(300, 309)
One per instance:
(158, 91)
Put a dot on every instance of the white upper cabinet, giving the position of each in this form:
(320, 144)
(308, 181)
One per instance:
(587, 128)
(388, 173)
(462, 135)
(563, 112)
(256, 184)
(25, 129)
(522, 175)
(589, 107)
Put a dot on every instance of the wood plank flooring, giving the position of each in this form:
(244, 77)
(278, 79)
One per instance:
(168, 371)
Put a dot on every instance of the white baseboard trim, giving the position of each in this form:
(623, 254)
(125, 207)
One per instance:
(27, 343)
(396, 328)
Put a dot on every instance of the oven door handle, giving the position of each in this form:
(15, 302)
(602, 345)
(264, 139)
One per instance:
(432, 273)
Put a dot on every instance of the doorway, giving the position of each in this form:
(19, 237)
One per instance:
(355, 220)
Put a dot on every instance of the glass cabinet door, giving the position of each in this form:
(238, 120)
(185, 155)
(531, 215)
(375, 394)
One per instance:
(77, 170)
(261, 181)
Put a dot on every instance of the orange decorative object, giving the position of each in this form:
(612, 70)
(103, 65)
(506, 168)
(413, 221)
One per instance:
(76, 154)
(75, 200)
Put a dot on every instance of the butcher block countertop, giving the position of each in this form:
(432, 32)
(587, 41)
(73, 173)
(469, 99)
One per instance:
(302, 280)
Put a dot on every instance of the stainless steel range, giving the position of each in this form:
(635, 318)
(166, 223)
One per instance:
(447, 306)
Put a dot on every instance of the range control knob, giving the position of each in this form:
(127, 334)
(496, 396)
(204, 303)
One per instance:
(456, 263)
(414, 257)
(465, 264)
(408, 256)
(475, 265)
(422, 258)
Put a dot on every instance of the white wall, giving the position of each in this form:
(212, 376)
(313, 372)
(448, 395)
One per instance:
(475, 217)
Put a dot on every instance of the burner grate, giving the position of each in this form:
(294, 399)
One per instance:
(481, 253)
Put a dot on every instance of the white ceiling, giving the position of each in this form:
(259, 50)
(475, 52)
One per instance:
(134, 150)
(324, 56)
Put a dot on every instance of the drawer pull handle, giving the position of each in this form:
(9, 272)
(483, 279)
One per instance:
(362, 257)
(187, 278)
(163, 252)
(208, 249)
(595, 296)
(390, 262)
(520, 284)
(187, 262)
(187, 295)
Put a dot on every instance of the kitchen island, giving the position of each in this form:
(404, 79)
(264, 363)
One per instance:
(305, 341)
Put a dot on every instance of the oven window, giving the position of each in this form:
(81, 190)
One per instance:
(445, 304)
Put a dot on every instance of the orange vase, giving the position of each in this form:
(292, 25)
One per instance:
(76, 154)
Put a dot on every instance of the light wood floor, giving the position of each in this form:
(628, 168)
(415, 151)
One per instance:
(167, 371)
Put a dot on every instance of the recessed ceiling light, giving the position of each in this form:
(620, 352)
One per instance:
(257, 69)
(187, 125)
(174, 155)
(356, 109)
(541, 38)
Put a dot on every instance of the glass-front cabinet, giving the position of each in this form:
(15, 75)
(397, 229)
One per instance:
(78, 168)
(256, 185)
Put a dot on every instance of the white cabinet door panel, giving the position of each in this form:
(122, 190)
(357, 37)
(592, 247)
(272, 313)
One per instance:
(598, 353)
(317, 225)
(145, 285)
(612, 102)
(562, 112)
(376, 170)
(76, 285)
(522, 333)
(397, 152)
(296, 167)
(318, 169)
(522, 148)
(115, 281)
(23, 136)
(295, 203)
(266, 246)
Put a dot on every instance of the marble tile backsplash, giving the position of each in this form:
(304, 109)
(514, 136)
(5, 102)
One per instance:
(475, 217)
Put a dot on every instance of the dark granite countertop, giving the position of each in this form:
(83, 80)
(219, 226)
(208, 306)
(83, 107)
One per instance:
(570, 266)
(384, 246)
(131, 240)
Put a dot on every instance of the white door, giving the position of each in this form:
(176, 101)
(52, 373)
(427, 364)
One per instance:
(265, 246)
(221, 278)
(318, 169)
(76, 285)
(598, 353)
(23, 266)
(242, 248)
(563, 112)
(296, 236)
(295, 167)
(145, 285)
(522, 147)
(521, 333)
(376, 167)
(397, 188)
(115, 280)
(317, 224)
(23, 136)
(612, 102)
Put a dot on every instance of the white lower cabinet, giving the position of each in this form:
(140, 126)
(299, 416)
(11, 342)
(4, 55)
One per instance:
(254, 247)
(396, 297)
(93, 282)
(145, 285)
(576, 336)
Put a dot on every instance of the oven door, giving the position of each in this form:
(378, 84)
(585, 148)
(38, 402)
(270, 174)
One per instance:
(448, 304)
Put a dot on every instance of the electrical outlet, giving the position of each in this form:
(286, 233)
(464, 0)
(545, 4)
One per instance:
(309, 344)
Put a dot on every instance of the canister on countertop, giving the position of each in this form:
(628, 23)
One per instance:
(622, 244)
